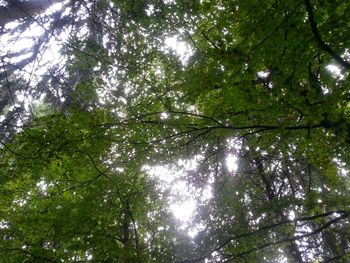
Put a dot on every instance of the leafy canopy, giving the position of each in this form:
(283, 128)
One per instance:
(266, 82)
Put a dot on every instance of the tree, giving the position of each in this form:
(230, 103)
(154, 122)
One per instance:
(15, 10)
(266, 82)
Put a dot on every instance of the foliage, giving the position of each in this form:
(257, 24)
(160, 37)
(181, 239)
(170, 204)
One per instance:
(266, 81)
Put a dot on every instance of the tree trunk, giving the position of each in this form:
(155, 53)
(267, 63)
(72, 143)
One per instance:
(292, 252)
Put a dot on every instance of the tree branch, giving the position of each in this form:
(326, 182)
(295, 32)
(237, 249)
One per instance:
(344, 214)
(318, 38)
(18, 10)
(290, 239)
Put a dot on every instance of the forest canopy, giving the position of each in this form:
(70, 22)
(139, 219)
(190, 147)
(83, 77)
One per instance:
(113, 112)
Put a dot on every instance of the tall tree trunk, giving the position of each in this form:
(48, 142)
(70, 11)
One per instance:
(292, 252)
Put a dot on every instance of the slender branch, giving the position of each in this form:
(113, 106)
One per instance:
(335, 258)
(290, 239)
(318, 38)
(209, 40)
(268, 227)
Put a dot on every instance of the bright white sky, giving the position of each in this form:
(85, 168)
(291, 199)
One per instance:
(183, 198)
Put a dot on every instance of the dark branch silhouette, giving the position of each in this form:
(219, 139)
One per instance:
(319, 40)
(343, 215)
(18, 9)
